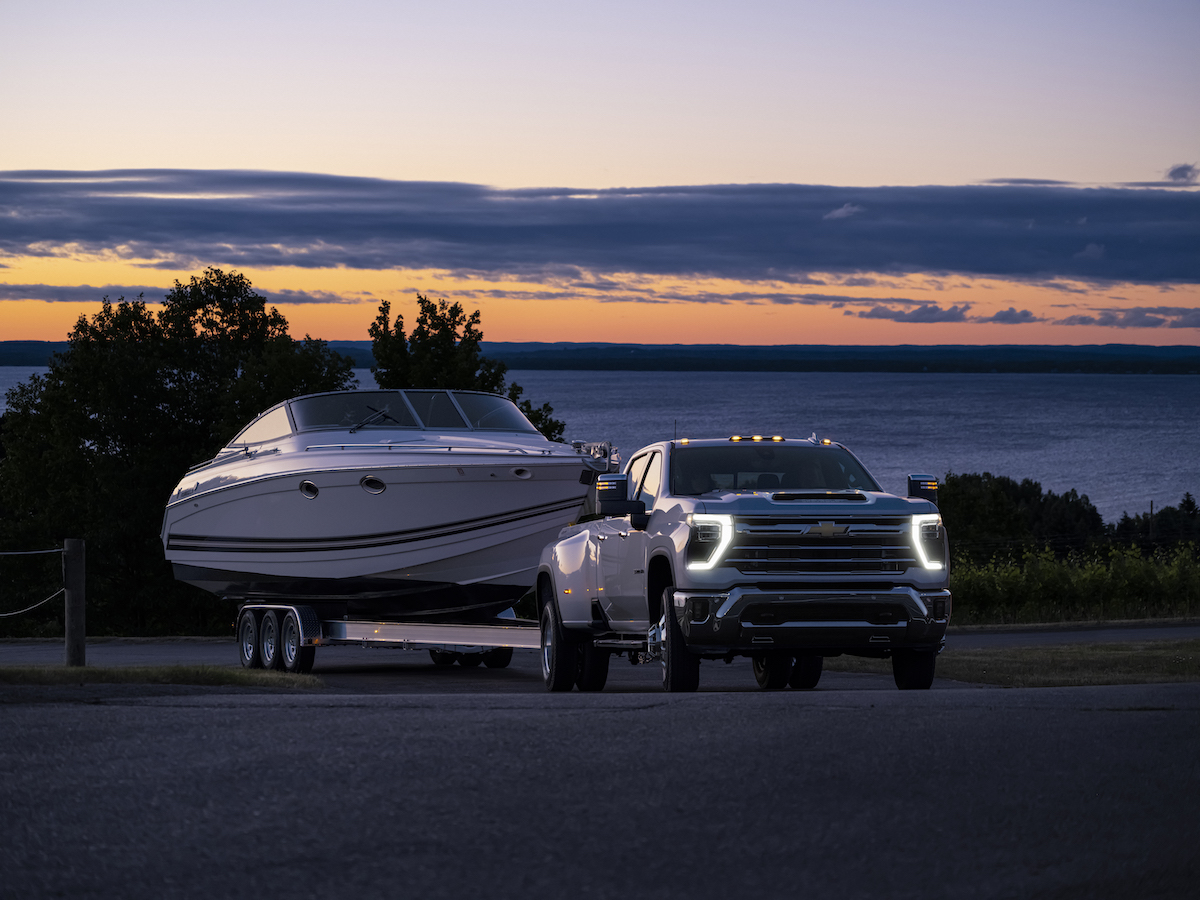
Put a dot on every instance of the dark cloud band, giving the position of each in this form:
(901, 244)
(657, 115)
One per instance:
(187, 219)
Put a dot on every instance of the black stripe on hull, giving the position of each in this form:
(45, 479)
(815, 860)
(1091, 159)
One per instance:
(361, 598)
(195, 542)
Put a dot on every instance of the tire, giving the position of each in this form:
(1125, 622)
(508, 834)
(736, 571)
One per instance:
(680, 667)
(247, 637)
(806, 671)
(470, 660)
(498, 658)
(294, 656)
(772, 670)
(592, 668)
(559, 659)
(268, 640)
(441, 657)
(913, 669)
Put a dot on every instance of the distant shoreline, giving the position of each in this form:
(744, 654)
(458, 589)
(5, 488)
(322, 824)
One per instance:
(1096, 359)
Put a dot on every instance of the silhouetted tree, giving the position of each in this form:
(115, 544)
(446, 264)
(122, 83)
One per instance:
(95, 446)
(443, 352)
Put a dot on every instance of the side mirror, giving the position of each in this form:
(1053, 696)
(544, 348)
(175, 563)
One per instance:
(924, 487)
(612, 496)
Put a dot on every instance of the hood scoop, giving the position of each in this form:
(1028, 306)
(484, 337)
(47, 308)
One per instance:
(825, 496)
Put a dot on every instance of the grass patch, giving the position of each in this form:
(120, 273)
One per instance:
(217, 676)
(1064, 665)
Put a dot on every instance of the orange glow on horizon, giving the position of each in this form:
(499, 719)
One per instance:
(630, 307)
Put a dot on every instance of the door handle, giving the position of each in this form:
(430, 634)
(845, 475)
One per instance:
(602, 537)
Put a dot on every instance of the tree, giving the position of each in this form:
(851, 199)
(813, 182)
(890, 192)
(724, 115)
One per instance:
(443, 352)
(95, 446)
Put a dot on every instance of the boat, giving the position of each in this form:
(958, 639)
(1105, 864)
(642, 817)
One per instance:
(390, 505)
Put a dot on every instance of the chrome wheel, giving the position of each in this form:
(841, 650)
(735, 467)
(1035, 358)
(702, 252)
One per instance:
(248, 640)
(268, 640)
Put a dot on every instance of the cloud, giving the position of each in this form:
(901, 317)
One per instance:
(1011, 316)
(1184, 173)
(1027, 182)
(86, 293)
(80, 293)
(1091, 251)
(843, 212)
(758, 232)
(922, 315)
(1138, 317)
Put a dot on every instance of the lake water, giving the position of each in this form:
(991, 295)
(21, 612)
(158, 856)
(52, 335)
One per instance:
(1124, 440)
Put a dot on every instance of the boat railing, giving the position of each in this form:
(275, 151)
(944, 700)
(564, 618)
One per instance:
(425, 447)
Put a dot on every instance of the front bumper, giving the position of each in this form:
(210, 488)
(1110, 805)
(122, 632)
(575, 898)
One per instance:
(860, 622)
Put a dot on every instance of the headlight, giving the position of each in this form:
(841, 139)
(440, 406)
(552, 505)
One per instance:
(709, 538)
(928, 541)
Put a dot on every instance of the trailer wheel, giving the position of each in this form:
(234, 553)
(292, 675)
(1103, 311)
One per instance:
(772, 670)
(441, 657)
(913, 669)
(592, 668)
(680, 667)
(268, 640)
(558, 653)
(498, 658)
(806, 671)
(295, 657)
(470, 660)
(247, 636)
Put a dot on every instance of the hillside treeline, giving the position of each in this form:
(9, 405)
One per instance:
(988, 514)
(1020, 555)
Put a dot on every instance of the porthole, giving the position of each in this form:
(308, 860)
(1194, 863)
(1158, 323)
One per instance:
(309, 490)
(522, 473)
(372, 485)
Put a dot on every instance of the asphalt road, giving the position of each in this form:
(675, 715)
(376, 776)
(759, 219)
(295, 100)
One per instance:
(175, 792)
(406, 780)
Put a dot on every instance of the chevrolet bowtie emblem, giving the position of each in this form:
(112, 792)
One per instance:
(827, 529)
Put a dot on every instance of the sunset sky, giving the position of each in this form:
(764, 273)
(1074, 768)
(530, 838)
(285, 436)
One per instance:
(700, 172)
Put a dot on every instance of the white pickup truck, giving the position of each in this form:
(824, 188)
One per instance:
(786, 551)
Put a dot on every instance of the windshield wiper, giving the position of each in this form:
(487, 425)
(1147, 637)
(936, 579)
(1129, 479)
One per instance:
(375, 416)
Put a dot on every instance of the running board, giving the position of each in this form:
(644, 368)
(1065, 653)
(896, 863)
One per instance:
(521, 637)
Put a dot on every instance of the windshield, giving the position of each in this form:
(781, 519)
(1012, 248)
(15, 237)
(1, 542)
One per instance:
(384, 410)
(361, 410)
(766, 467)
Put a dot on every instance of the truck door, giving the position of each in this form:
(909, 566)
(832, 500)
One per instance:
(623, 552)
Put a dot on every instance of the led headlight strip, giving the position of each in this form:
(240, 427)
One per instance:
(726, 525)
(918, 542)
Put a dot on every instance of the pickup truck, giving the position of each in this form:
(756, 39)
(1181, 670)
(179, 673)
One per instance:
(783, 550)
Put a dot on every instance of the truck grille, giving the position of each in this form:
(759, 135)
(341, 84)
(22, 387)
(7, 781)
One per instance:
(768, 545)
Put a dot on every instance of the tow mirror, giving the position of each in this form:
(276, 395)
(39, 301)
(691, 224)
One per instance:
(612, 497)
(924, 487)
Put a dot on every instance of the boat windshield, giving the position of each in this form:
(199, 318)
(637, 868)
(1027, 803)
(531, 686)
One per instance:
(766, 467)
(360, 410)
(435, 411)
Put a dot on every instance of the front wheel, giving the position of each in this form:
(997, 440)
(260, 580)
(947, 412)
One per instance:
(913, 669)
(441, 657)
(593, 667)
(680, 667)
(559, 661)
(772, 670)
(806, 671)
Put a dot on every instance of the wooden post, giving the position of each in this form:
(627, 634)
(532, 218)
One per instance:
(73, 581)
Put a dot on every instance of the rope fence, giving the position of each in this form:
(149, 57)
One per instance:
(9, 615)
(73, 572)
